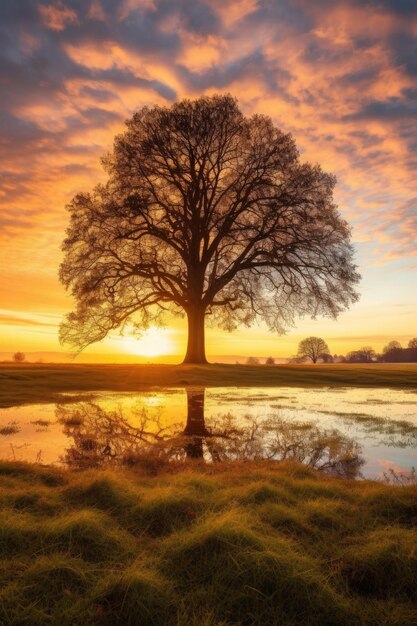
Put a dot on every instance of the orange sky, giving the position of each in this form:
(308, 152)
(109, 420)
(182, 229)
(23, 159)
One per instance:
(341, 76)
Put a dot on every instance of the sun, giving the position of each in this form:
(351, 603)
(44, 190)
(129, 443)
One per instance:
(154, 342)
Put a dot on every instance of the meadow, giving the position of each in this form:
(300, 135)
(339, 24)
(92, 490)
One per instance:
(36, 383)
(232, 544)
(237, 543)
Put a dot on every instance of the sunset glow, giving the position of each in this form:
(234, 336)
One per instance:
(154, 342)
(340, 76)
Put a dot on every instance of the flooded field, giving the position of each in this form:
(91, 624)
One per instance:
(345, 431)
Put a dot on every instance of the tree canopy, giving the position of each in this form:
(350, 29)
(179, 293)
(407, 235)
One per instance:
(363, 355)
(392, 345)
(205, 213)
(312, 348)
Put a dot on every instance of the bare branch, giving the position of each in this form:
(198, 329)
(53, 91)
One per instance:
(205, 211)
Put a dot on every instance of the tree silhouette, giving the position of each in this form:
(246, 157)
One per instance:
(394, 353)
(205, 213)
(392, 345)
(363, 355)
(101, 438)
(312, 348)
(19, 357)
(270, 361)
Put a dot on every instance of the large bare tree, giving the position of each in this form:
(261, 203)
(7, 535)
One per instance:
(207, 213)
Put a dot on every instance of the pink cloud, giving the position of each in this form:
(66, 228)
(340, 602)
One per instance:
(340, 76)
(96, 11)
(57, 16)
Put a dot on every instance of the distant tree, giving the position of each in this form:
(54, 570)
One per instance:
(297, 359)
(312, 348)
(368, 353)
(19, 357)
(354, 356)
(326, 358)
(270, 361)
(363, 355)
(252, 360)
(392, 345)
(393, 352)
(205, 213)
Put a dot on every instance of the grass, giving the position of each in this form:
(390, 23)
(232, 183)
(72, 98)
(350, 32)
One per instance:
(234, 544)
(27, 383)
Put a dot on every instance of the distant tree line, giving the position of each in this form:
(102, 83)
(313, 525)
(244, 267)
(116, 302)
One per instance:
(315, 349)
(395, 353)
(253, 360)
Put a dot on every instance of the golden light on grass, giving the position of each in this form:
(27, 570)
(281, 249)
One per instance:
(153, 342)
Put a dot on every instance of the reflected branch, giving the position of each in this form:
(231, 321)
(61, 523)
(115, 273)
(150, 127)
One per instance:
(101, 437)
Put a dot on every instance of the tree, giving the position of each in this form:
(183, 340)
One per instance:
(412, 344)
(19, 357)
(101, 438)
(363, 355)
(393, 352)
(392, 345)
(312, 348)
(270, 361)
(252, 360)
(209, 214)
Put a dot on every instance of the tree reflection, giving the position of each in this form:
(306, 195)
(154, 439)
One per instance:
(100, 437)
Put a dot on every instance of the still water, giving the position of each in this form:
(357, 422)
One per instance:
(345, 431)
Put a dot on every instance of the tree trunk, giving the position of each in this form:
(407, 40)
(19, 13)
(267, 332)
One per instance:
(195, 413)
(195, 430)
(196, 350)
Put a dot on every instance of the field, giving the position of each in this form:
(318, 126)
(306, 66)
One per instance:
(250, 544)
(27, 383)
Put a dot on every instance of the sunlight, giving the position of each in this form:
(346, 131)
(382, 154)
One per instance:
(154, 342)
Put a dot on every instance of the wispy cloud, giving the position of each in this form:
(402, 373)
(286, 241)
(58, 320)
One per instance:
(342, 76)
(10, 318)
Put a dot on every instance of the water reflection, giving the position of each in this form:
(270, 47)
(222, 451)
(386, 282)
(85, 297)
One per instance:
(100, 437)
(236, 423)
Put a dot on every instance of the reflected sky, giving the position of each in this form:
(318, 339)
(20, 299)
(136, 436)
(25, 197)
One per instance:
(321, 427)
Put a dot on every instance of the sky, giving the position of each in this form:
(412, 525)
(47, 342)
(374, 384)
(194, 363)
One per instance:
(341, 75)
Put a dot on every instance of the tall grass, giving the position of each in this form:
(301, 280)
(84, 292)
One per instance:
(241, 544)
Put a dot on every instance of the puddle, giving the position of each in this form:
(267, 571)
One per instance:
(346, 431)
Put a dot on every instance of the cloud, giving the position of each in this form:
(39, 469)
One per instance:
(57, 16)
(402, 7)
(391, 109)
(342, 76)
(12, 320)
(96, 11)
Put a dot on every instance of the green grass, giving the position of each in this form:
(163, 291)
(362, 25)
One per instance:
(237, 544)
(26, 383)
